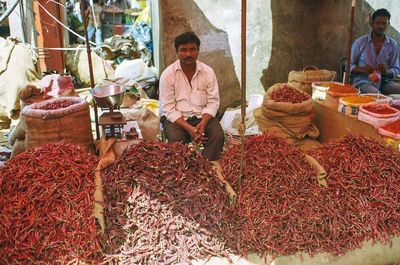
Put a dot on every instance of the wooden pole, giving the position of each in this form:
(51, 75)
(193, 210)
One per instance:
(350, 42)
(89, 55)
(242, 126)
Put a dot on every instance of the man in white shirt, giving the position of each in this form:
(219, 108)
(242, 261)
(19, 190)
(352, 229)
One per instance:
(189, 99)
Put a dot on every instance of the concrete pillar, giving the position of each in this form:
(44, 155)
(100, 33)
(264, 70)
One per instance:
(155, 28)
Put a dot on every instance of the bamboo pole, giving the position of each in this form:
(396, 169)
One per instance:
(350, 41)
(89, 55)
(242, 126)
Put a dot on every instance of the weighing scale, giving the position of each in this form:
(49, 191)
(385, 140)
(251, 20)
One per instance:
(109, 98)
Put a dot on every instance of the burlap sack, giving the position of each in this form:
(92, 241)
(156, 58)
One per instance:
(18, 68)
(293, 119)
(18, 147)
(302, 80)
(77, 64)
(148, 122)
(71, 124)
(18, 132)
(308, 144)
(266, 124)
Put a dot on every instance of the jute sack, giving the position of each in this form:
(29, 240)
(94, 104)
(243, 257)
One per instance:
(77, 64)
(148, 122)
(18, 68)
(18, 132)
(18, 147)
(303, 80)
(266, 124)
(294, 119)
(71, 123)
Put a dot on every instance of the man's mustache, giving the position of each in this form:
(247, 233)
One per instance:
(189, 58)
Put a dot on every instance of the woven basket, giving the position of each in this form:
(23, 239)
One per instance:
(303, 79)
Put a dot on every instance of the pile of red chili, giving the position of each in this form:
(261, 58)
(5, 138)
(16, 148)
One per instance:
(393, 127)
(380, 109)
(59, 104)
(163, 205)
(273, 194)
(281, 209)
(289, 94)
(363, 194)
(46, 206)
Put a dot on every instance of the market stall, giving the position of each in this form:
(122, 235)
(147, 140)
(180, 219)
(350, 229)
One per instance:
(143, 200)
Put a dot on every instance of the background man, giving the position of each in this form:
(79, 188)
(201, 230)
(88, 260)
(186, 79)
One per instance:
(189, 99)
(96, 15)
(375, 52)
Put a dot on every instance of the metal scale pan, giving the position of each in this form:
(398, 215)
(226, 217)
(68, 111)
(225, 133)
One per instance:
(110, 97)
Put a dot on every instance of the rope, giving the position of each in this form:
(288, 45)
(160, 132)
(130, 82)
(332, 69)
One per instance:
(64, 26)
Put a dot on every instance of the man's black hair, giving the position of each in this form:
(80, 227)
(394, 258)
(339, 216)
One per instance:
(185, 38)
(381, 13)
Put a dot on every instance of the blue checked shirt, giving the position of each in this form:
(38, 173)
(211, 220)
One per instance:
(363, 53)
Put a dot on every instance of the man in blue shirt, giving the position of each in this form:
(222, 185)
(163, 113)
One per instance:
(378, 52)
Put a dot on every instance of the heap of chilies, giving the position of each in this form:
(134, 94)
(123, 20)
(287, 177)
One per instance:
(46, 206)
(60, 104)
(364, 188)
(273, 193)
(290, 95)
(163, 206)
(282, 210)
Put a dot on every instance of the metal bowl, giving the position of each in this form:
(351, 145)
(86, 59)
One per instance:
(109, 96)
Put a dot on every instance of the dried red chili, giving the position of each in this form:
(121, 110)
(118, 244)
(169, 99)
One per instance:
(282, 210)
(267, 212)
(46, 206)
(163, 206)
(60, 104)
(289, 94)
(364, 183)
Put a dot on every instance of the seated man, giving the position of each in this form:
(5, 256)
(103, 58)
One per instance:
(189, 99)
(375, 52)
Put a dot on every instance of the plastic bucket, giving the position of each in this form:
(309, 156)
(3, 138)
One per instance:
(320, 88)
(351, 105)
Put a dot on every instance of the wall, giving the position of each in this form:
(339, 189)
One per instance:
(315, 32)
(282, 35)
(226, 15)
(183, 15)
(155, 30)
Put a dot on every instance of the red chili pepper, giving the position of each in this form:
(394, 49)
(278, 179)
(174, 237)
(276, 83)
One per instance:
(59, 104)
(289, 94)
(163, 206)
(44, 218)
(282, 210)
